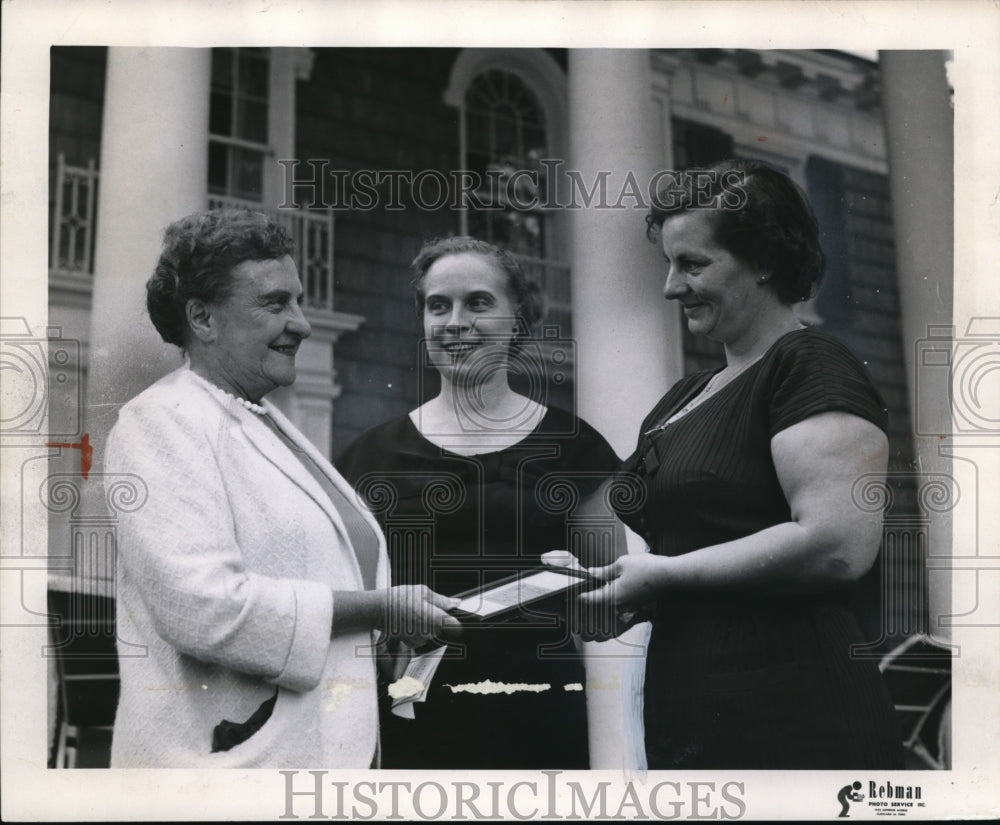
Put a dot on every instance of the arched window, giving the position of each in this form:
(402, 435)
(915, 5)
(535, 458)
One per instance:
(505, 137)
(512, 129)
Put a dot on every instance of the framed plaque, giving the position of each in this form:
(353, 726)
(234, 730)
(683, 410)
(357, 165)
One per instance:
(510, 597)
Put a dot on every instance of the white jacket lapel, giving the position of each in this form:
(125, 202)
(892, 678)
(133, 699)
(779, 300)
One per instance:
(265, 441)
(338, 481)
(274, 450)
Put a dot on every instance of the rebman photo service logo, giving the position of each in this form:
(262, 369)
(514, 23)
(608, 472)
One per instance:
(879, 799)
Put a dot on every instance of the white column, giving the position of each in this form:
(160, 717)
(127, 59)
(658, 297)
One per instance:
(628, 340)
(918, 124)
(154, 170)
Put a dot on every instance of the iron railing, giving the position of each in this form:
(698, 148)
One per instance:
(313, 236)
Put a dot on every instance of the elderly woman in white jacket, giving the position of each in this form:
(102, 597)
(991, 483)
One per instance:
(257, 584)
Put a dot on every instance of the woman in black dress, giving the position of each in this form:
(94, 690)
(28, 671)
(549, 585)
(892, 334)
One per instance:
(473, 486)
(750, 474)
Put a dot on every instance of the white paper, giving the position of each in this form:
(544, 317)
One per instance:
(413, 685)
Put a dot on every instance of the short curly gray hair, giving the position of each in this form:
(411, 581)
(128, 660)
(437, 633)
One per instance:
(198, 256)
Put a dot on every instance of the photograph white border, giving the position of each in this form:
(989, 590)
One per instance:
(969, 29)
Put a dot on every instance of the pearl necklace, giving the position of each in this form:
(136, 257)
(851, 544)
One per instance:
(249, 405)
(257, 409)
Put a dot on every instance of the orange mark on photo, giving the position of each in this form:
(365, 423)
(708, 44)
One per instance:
(86, 452)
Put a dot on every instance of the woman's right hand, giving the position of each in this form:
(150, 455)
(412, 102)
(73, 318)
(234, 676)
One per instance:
(412, 614)
(416, 615)
(630, 583)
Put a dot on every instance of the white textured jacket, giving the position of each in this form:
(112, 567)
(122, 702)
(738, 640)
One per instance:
(225, 574)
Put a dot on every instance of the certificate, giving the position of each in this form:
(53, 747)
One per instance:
(509, 597)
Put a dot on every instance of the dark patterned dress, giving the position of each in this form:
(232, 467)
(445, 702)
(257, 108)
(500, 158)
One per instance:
(455, 523)
(753, 679)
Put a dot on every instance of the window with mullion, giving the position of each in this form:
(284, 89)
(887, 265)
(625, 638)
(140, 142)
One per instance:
(505, 133)
(238, 122)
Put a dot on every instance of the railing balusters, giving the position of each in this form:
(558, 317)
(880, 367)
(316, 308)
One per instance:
(312, 233)
(73, 220)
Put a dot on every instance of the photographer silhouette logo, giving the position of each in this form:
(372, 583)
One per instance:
(847, 795)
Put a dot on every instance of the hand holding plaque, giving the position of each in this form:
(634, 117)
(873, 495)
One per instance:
(523, 593)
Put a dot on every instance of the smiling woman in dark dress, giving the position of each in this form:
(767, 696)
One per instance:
(463, 486)
(756, 540)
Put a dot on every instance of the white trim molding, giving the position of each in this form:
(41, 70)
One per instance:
(783, 104)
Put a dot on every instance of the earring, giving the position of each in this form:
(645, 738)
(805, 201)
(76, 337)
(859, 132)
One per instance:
(763, 279)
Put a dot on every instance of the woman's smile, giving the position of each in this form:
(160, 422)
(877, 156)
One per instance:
(719, 293)
(258, 329)
(287, 349)
(460, 347)
(467, 310)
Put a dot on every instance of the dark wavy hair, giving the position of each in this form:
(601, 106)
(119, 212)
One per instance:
(529, 300)
(760, 216)
(197, 259)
